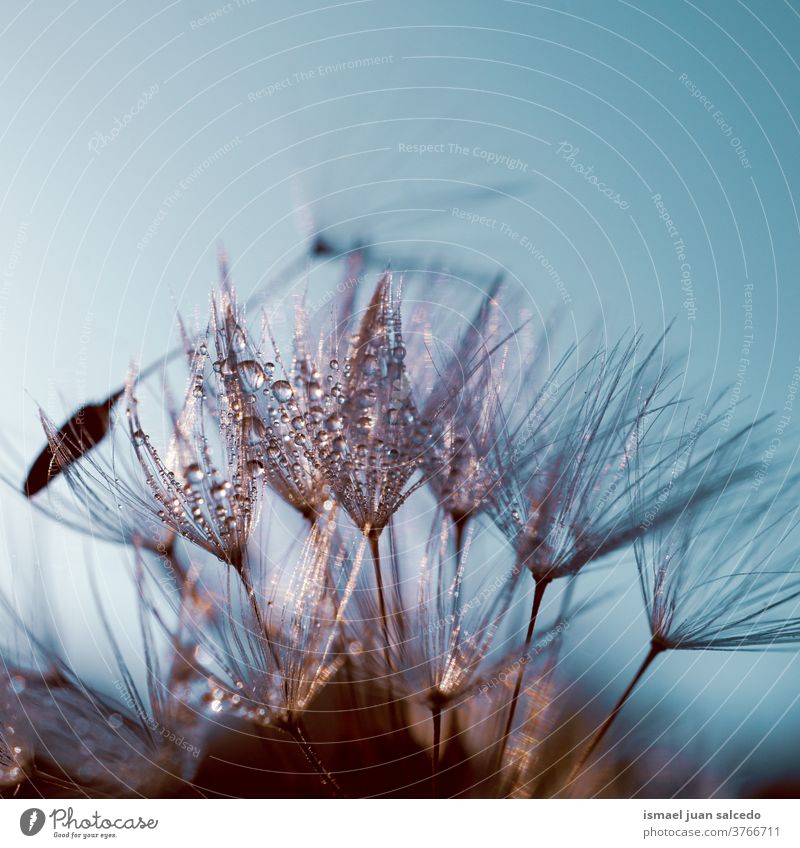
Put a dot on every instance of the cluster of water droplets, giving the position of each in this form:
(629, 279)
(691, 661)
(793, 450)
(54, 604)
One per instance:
(367, 434)
(344, 428)
(465, 480)
(221, 701)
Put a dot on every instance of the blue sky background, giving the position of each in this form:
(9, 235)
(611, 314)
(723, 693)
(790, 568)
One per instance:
(138, 136)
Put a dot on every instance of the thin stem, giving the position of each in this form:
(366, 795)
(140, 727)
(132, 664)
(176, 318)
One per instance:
(295, 730)
(436, 715)
(374, 544)
(538, 593)
(252, 600)
(460, 523)
(655, 650)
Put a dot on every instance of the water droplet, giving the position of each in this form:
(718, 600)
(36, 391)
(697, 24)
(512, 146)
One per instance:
(139, 437)
(282, 391)
(334, 363)
(239, 339)
(334, 422)
(315, 391)
(255, 468)
(11, 776)
(298, 423)
(339, 445)
(399, 353)
(115, 720)
(194, 473)
(253, 430)
(251, 375)
(219, 492)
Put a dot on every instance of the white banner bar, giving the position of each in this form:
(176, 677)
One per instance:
(411, 824)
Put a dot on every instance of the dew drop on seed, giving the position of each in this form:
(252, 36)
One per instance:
(239, 340)
(253, 430)
(251, 375)
(194, 473)
(255, 468)
(334, 422)
(281, 391)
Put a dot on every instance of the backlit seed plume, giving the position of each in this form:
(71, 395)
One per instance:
(726, 577)
(268, 667)
(379, 437)
(276, 410)
(441, 633)
(569, 472)
(463, 387)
